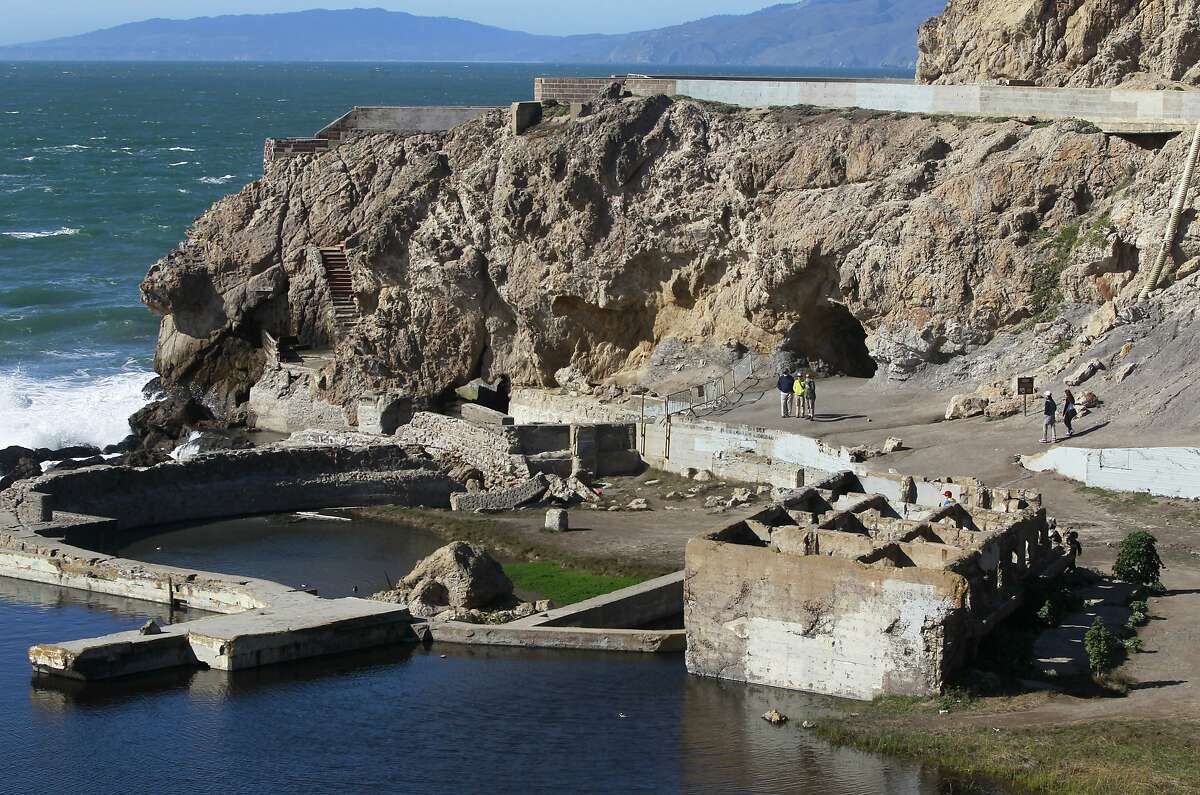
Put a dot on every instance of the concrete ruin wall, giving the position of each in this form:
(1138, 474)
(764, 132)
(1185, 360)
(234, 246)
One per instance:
(492, 449)
(816, 624)
(846, 593)
(528, 405)
(235, 483)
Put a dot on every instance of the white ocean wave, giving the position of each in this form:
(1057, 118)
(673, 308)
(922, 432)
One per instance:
(62, 231)
(180, 163)
(63, 411)
(181, 149)
(216, 180)
(27, 159)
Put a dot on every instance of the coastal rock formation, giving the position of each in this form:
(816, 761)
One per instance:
(459, 575)
(1062, 42)
(857, 239)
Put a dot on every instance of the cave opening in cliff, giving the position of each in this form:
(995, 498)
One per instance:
(832, 339)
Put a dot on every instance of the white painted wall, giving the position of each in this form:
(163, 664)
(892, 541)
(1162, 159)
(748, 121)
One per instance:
(1109, 108)
(1163, 471)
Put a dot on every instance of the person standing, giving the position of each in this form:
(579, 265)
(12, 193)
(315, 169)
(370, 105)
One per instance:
(785, 394)
(798, 390)
(1069, 411)
(810, 396)
(1049, 409)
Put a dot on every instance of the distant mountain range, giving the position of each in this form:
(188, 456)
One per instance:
(821, 33)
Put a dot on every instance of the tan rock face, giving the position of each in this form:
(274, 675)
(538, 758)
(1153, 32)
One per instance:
(1062, 42)
(857, 238)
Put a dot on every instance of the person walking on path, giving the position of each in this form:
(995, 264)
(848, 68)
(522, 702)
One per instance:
(1048, 411)
(785, 394)
(810, 397)
(798, 390)
(1069, 411)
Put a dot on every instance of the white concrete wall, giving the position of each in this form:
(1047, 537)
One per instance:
(1109, 108)
(1163, 471)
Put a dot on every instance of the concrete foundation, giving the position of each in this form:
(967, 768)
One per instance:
(843, 592)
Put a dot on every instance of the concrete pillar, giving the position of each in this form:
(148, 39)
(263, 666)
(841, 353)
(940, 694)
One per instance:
(525, 115)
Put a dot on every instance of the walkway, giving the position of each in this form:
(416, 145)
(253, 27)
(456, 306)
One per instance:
(1113, 110)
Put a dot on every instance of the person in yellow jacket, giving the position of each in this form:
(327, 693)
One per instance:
(798, 389)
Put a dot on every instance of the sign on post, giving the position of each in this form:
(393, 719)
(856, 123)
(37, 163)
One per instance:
(1025, 389)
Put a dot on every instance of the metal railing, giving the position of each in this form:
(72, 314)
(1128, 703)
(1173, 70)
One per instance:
(724, 391)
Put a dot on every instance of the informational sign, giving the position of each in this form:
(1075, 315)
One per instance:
(1025, 386)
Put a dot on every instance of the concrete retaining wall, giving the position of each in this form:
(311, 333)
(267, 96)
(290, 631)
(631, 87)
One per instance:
(236, 483)
(1114, 110)
(400, 118)
(528, 405)
(1163, 471)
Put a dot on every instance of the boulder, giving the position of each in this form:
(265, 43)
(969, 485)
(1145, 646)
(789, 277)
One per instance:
(892, 444)
(740, 497)
(572, 379)
(638, 504)
(963, 406)
(998, 409)
(466, 575)
(1087, 400)
(1084, 372)
(556, 520)
(702, 476)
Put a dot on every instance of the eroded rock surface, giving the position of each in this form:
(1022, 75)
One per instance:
(857, 239)
(1141, 43)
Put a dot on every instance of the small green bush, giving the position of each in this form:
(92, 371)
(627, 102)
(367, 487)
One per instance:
(1102, 648)
(1048, 613)
(1138, 561)
(1133, 645)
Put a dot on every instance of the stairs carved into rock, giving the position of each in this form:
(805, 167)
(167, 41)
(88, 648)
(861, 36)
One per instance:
(341, 288)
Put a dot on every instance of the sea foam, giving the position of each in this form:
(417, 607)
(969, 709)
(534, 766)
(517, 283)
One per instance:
(62, 411)
(216, 180)
(62, 231)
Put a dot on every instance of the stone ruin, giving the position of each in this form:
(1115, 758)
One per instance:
(847, 593)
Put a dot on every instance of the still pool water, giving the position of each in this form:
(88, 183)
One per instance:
(406, 719)
(333, 557)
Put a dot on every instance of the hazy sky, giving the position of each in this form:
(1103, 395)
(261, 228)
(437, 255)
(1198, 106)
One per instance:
(31, 20)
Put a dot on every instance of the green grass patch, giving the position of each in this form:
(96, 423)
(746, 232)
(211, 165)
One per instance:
(562, 585)
(1159, 757)
(1045, 292)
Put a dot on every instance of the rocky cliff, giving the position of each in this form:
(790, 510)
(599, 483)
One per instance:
(860, 239)
(1063, 42)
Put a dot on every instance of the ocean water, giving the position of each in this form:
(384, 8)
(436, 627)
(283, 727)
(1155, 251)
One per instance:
(102, 169)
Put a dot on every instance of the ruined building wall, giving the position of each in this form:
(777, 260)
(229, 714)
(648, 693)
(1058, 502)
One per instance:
(818, 624)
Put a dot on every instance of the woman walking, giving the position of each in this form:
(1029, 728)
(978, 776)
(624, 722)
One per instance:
(1069, 411)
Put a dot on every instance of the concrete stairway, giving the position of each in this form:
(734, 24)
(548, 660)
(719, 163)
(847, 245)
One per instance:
(341, 290)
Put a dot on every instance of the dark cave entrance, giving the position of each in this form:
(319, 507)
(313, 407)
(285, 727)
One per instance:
(831, 339)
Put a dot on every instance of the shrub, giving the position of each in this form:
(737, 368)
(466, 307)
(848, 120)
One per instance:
(1133, 645)
(1101, 646)
(1138, 561)
(1048, 614)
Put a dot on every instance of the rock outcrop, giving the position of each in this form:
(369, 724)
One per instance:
(853, 238)
(459, 575)
(1146, 43)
